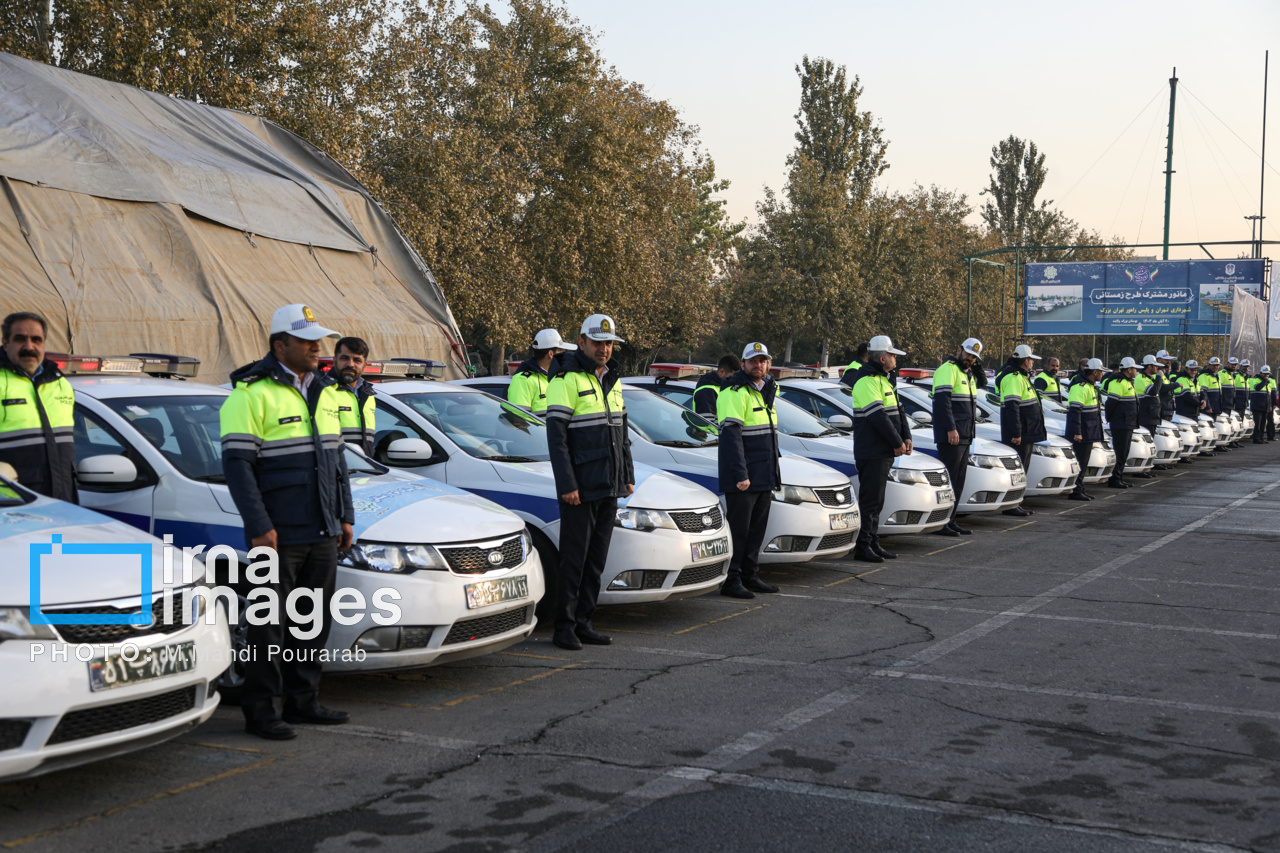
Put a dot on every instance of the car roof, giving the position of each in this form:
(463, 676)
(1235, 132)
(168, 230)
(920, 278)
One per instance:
(421, 386)
(110, 387)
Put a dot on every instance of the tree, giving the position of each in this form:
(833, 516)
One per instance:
(1018, 176)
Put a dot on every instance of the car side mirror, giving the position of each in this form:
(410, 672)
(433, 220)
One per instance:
(106, 470)
(925, 418)
(840, 422)
(412, 451)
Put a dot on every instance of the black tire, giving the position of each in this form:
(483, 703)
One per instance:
(549, 555)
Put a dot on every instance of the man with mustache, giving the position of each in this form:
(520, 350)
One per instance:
(36, 427)
(356, 416)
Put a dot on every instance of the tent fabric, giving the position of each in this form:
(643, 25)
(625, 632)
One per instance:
(139, 223)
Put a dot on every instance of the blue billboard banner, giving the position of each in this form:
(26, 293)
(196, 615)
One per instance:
(1136, 297)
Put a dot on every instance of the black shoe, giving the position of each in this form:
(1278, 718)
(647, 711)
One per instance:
(1207, 454)
(317, 715)
(948, 531)
(271, 729)
(592, 637)
(882, 551)
(757, 585)
(1144, 475)
(1113, 483)
(1019, 512)
(567, 640)
(735, 589)
(963, 531)
(867, 556)
(1226, 448)
(1162, 467)
(1077, 496)
(1187, 461)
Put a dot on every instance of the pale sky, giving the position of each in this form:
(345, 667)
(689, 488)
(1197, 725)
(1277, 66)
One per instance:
(947, 80)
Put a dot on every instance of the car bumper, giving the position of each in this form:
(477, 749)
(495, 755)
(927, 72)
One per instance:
(1051, 475)
(990, 490)
(808, 524)
(53, 720)
(915, 508)
(1101, 464)
(658, 565)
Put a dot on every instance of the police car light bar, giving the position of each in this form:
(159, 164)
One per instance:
(79, 365)
(412, 368)
(163, 364)
(915, 372)
(511, 367)
(795, 372)
(673, 371)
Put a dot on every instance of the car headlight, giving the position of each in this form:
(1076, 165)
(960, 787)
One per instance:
(795, 495)
(909, 476)
(15, 625)
(643, 519)
(398, 559)
(1048, 450)
(986, 462)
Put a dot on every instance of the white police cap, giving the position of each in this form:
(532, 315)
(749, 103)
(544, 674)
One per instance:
(550, 339)
(755, 349)
(1023, 351)
(299, 321)
(973, 346)
(1127, 362)
(600, 327)
(882, 343)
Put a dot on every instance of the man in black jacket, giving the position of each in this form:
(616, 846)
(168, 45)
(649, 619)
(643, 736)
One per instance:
(1021, 415)
(1084, 420)
(1121, 408)
(881, 432)
(710, 383)
(955, 384)
(37, 430)
(748, 466)
(1149, 383)
(591, 460)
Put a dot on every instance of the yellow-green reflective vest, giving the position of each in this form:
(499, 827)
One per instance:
(45, 462)
(355, 419)
(587, 432)
(528, 391)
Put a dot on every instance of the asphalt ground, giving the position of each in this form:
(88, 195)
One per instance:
(1099, 677)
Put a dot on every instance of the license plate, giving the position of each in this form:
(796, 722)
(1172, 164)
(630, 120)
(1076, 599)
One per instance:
(709, 549)
(1075, 468)
(484, 593)
(147, 664)
(1017, 478)
(843, 520)
(946, 496)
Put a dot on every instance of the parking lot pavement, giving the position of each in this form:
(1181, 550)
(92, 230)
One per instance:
(1099, 677)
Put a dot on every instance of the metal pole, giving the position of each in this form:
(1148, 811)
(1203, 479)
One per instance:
(1262, 181)
(969, 318)
(1168, 165)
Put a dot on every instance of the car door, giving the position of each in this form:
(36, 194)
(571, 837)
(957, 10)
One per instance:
(132, 502)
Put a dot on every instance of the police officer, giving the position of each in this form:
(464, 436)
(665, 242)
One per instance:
(710, 383)
(748, 466)
(1227, 389)
(1122, 415)
(1211, 388)
(955, 385)
(1084, 420)
(282, 457)
(1046, 381)
(1149, 383)
(1242, 392)
(1261, 389)
(528, 388)
(1188, 398)
(591, 460)
(356, 415)
(1167, 367)
(36, 419)
(880, 433)
(850, 373)
(1021, 416)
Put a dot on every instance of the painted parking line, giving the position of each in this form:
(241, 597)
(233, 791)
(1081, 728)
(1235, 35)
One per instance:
(721, 619)
(948, 548)
(391, 736)
(859, 575)
(461, 699)
(1016, 526)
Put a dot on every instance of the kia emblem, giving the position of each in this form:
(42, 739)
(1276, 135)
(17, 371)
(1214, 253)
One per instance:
(706, 521)
(495, 558)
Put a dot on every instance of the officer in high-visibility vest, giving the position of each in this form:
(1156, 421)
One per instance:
(1227, 389)
(1167, 367)
(1188, 399)
(1261, 390)
(1149, 383)
(1021, 415)
(36, 419)
(849, 376)
(1084, 421)
(356, 416)
(591, 461)
(748, 466)
(955, 385)
(707, 391)
(1121, 408)
(881, 432)
(283, 461)
(528, 388)
(1242, 389)
(1046, 381)
(1211, 388)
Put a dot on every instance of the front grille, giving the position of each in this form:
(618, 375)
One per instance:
(1013, 463)
(836, 540)
(486, 626)
(472, 560)
(700, 574)
(800, 543)
(691, 522)
(416, 637)
(91, 722)
(108, 634)
(13, 733)
(653, 580)
(938, 515)
(937, 478)
(1015, 495)
(1093, 472)
(834, 497)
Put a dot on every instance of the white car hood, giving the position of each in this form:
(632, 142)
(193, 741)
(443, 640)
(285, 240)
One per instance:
(417, 513)
(798, 471)
(660, 490)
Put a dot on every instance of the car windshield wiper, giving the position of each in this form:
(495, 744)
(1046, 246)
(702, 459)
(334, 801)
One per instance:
(832, 431)
(211, 478)
(805, 434)
(510, 459)
(685, 443)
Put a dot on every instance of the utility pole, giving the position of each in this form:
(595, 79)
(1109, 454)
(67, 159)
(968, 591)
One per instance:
(1168, 165)
(1262, 181)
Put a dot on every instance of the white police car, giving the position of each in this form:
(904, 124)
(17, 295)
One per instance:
(467, 577)
(670, 540)
(1145, 450)
(75, 693)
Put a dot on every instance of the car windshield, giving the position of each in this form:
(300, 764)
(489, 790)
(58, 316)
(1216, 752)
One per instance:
(483, 426)
(661, 421)
(185, 429)
(794, 420)
(1053, 406)
(13, 495)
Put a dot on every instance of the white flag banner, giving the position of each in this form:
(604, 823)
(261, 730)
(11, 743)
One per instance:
(1248, 327)
(1273, 314)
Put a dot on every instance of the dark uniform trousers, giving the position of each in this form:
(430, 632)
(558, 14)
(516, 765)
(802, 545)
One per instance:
(1271, 427)
(311, 566)
(1023, 450)
(955, 457)
(1121, 440)
(585, 533)
(748, 516)
(1260, 420)
(1082, 450)
(873, 477)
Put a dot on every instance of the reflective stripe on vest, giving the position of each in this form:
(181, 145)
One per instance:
(1083, 395)
(744, 405)
(873, 393)
(272, 420)
(950, 377)
(349, 416)
(1016, 386)
(579, 398)
(1119, 388)
(20, 424)
(1050, 383)
(528, 391)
